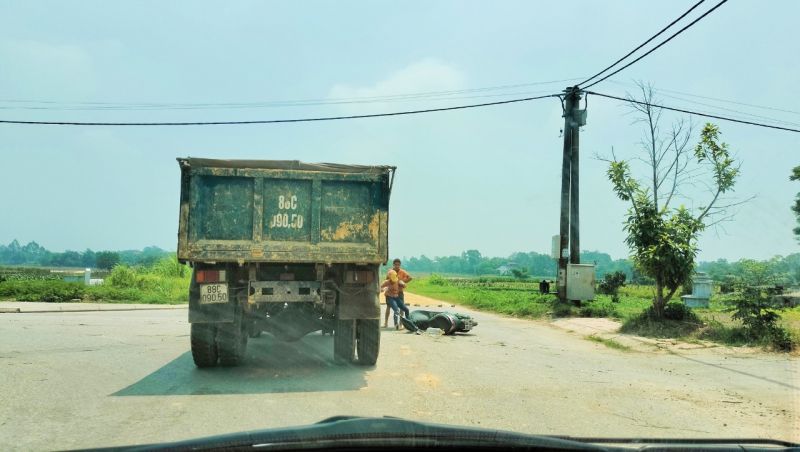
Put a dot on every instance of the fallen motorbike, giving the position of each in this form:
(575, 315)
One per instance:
(449, 322)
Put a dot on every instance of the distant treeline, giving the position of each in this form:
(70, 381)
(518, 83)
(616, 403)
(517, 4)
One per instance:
(472, 262)
(33, 254)
(778, 270)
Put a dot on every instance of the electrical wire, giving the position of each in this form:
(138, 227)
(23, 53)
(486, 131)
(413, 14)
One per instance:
(54, 105)
(247, 106)
(659, 45)
(767, 118)
(661, 93)
(644, 43)
(275, 121)
(681, 93)
(707, 115)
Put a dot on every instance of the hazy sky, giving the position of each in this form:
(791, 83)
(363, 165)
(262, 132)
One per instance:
(482, 178)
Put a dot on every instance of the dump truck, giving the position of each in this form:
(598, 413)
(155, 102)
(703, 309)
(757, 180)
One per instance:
(283, 247)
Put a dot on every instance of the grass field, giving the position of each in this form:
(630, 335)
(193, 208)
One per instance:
(521, 298)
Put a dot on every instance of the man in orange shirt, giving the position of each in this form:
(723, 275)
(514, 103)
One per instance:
(392, 287)
(403, 276)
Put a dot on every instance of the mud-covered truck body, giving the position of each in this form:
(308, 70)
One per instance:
(284, 247)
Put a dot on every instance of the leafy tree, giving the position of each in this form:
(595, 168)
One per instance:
(67, 259)
(611, 284)
(107, 259)
(796, 207)
(89, 258)
(13, 254)
(662, 238)
(472, 259)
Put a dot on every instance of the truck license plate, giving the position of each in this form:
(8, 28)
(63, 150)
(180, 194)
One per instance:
(213, 293)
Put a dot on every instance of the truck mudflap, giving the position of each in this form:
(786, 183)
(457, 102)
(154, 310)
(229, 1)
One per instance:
(358, 302)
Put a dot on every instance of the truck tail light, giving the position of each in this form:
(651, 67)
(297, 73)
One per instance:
(210, 276)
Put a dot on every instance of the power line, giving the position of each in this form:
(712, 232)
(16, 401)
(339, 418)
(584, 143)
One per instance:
(644, 43)
(681, 93)
(48, 105)
(707, 115)
(277, 104)
(660, 44)
(274, 121)
(661, 92)
(767, 118)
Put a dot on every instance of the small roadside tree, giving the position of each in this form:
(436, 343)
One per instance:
(662, 238)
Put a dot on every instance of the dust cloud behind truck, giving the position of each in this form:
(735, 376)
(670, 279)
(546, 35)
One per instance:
(284, 247)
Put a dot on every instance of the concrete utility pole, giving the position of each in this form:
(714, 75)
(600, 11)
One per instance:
(569, 243)
(574, 196)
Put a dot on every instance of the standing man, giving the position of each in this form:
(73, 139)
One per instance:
(393, 286)
(403, 276)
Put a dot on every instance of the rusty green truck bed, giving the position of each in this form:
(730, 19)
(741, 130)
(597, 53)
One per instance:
(283, 211)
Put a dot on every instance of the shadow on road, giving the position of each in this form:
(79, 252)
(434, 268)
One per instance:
(272, 366)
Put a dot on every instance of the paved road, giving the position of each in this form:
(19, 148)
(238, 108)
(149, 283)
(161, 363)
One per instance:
(84, 379)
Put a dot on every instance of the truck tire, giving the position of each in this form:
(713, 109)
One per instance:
(344, 341)
(368, 335)
(232, 340)
(204, 346)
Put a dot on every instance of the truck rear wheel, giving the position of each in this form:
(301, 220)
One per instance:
(232, 341)
(344, 341)
(368, 335)
(204, 346)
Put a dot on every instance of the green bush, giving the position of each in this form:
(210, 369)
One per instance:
(123, 277)
(169, 267)
(754, 308)
(611, 284)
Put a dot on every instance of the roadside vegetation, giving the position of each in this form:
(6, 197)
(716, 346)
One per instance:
(163, 282)
(743, 317)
